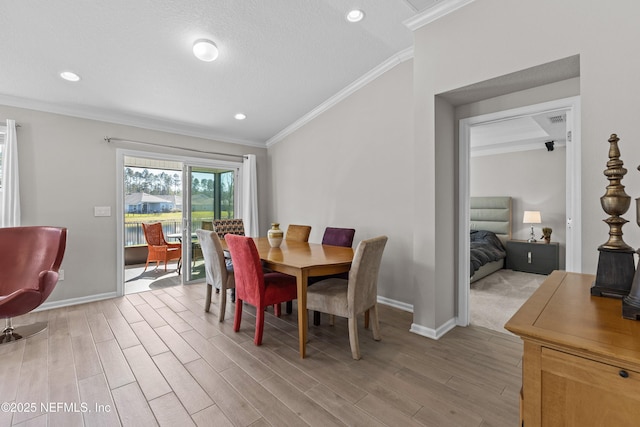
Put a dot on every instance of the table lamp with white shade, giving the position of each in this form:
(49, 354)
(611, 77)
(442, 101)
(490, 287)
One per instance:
(532, 217)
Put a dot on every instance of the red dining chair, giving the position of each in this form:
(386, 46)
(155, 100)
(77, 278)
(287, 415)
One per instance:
(336, 237)
(30, 258)
(254, 286)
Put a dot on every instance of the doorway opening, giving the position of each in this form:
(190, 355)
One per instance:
(569, 108)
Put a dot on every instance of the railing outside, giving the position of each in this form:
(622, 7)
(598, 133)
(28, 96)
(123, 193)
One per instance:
(134, 236)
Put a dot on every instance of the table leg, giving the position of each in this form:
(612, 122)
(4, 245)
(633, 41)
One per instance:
(301, 281)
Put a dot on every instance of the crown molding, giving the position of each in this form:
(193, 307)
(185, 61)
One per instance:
(431, 14)
(371, 75)
(123, 119)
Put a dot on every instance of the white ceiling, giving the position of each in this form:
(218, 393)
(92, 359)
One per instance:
(279, 59)
(519, 134)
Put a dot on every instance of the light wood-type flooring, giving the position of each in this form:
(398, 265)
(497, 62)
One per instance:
(155, 358)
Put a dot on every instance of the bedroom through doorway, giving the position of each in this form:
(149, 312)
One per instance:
(508, 154)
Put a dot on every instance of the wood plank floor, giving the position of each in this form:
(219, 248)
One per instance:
(156, 358)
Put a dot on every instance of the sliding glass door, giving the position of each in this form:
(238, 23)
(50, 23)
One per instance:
(210, 194)
(182, 194)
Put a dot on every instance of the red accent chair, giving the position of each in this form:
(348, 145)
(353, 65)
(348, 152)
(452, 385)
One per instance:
(254, 286)
(30, 258)
(159, 249)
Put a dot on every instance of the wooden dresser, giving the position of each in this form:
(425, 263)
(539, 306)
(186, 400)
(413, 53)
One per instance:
(581, 361)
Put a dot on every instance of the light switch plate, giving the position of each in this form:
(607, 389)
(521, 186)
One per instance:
(102, 211)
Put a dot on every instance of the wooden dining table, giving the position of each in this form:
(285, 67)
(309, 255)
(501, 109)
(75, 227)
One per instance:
(303, 260)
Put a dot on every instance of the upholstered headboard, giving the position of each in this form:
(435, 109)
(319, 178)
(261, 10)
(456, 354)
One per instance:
(492, 214)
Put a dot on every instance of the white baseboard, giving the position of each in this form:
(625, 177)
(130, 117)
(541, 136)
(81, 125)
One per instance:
(396, 304)
(434, 334)
(91, 298)
(75, 301)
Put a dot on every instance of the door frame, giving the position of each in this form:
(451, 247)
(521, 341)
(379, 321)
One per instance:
(121, 153)
(573, 244)
(187, 170)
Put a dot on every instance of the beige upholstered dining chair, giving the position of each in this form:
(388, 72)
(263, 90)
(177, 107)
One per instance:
(196, 250)
(217, 273)
(349, 298)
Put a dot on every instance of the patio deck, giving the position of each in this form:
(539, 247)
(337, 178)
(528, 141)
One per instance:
(138, 280)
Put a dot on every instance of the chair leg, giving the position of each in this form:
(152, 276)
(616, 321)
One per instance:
(11, 333)
(276, 309)
(353, 337)
(207, 299)
(259, 325)
(289, 307)
(238, 317)
(366, 319)
(374, 322)
(223, 304)
(316, 318)
(233, 294)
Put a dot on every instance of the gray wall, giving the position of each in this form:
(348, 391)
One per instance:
(66, 169)
(475, 44)
(535, 179)
(352, 167)
(384, 159)
(361, 148)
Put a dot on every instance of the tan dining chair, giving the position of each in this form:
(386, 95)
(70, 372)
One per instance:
(218, 274)
(298, 233)
(359, 293)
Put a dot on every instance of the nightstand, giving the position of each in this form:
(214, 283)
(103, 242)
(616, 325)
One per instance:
(535, 257)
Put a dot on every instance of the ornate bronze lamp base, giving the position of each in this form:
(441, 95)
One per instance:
(631, 308)
(615, 273)
(631, 302)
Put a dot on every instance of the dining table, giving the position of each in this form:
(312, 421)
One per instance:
(303, 260)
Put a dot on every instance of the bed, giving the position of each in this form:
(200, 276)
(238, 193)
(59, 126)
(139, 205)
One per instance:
(490, 227)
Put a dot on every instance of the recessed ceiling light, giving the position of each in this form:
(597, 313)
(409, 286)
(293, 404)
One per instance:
(70, 76)
(205, 50)
(355, 15)
(240, 116)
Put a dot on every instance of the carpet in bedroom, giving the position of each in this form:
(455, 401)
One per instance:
(495, 298)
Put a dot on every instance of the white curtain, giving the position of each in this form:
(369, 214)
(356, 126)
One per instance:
(250, 196)
(10, 214)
